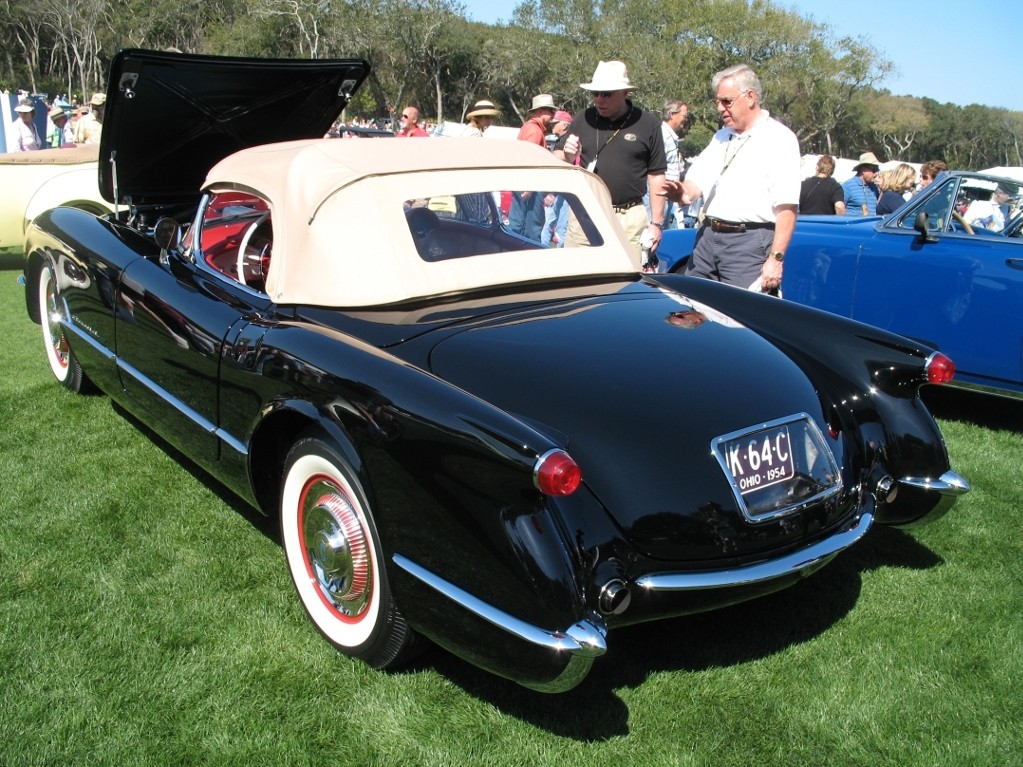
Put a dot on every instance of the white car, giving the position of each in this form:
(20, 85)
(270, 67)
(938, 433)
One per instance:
(36, 181)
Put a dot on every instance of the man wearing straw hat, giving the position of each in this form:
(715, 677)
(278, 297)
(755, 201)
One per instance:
(623, 145)
(861, 192)
(90, 127)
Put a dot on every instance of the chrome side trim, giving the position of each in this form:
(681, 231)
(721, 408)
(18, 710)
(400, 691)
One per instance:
(586, 638)
(948, 483)
(198, 419)
(993, 391)
(809, 558)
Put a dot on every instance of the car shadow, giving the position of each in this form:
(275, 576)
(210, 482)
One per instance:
(987, 410)
(732, 636)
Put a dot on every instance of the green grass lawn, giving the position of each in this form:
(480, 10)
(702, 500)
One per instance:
(146, 618)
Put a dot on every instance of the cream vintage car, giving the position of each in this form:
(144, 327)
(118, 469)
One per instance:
(36, 181)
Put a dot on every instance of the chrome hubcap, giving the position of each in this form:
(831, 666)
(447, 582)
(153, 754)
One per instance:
(56, 334)
(336, 549)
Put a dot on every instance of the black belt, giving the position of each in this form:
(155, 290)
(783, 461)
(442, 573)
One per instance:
(627, 205)
(734, 227)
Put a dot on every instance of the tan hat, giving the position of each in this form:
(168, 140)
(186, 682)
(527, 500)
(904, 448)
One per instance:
(483, 108)
(543, 101)
(24, 106)
(867, 159)
(56, 112)
(609, 76)
(98, 99)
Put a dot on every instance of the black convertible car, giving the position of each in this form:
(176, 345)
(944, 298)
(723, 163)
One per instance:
(454, 425)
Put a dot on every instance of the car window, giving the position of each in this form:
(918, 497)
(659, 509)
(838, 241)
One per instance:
(462, 225)
(236, 237)
(937, 205)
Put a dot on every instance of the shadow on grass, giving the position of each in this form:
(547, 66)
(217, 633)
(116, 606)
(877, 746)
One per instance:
(987, 410)
(264, 524)
(11, 261)
(722, 638)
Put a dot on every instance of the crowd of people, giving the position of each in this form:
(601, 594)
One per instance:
(67, 124)
(743, 191)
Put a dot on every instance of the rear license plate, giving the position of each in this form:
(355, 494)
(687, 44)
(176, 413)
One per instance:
(778, 467)
(760, 459)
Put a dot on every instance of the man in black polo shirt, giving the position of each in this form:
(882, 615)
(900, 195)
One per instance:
(623, 145)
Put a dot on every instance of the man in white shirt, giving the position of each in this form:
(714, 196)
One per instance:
(749, 178)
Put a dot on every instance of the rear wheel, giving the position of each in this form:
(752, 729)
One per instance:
(62, 361)
(334, 556)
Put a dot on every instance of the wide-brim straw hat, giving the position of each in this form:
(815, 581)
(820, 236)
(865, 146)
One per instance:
(609, 76)
(867, 160)
(483, 108)
(56, 112)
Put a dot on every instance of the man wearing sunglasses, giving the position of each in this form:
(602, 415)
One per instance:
(623, 145)
(749, 179)
(408, 124)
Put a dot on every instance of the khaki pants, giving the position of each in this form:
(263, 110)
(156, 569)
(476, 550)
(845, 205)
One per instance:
(633, 221)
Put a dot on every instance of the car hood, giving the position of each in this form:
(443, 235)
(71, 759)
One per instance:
(169, 117)
(639, 395)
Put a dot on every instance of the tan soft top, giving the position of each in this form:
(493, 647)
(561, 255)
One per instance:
(340, 234)
(76, 154)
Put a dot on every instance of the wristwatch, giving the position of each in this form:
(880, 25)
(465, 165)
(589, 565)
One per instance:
(778, 255)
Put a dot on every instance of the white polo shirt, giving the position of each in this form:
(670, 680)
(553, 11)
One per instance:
(754, 172)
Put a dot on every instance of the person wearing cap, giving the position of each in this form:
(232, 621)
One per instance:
(623, 145)
(861, 190)
(408, 124)
(58, 128)
(24, 135)
(555, 224)
(527, 214)
(90, 126)
(749, 179)
(480, 118)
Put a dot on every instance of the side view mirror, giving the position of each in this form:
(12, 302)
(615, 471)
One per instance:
(167, 234)
(922, 225)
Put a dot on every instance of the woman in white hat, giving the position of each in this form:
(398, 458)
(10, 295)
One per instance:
(25, 137)
(480, 118)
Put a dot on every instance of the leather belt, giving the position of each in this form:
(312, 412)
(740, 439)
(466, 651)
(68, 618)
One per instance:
(734, 227)
(627, 205)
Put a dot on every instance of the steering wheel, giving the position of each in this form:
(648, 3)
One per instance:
(967, 227)
(245, 244)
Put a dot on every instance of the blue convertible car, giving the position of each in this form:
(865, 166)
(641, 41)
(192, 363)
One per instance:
(946, 268)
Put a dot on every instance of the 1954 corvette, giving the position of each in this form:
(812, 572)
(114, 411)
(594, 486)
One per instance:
(453, 424)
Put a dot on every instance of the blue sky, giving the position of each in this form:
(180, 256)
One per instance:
(950, 51)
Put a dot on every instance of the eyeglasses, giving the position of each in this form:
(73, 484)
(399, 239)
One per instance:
(604, 94)
(926, 178)
(727, 103)
(406, 117)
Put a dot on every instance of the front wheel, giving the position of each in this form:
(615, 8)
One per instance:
(62, 361)
(334, 556)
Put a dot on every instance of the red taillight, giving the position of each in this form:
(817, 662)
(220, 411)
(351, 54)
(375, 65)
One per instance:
(940, 369)
(556, 473)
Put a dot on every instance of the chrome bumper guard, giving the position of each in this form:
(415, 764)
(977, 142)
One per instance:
(581, 642)
(805, 560)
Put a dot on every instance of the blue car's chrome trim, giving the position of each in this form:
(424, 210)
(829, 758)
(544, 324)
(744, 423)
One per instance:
(810, 558)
